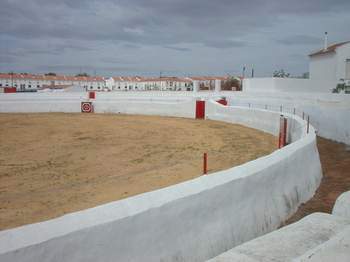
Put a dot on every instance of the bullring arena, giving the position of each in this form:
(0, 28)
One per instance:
(90, 159)
(129, 176)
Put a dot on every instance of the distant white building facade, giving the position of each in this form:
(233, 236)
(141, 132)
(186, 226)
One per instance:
(331, 63)
(29, 82)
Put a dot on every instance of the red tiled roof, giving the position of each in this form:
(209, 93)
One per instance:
(329, 49)
(208, 78)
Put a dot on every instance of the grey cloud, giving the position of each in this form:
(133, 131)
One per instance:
(51, 28)
(224, 43)
(6, 59)
(181, 49)
(300, 40)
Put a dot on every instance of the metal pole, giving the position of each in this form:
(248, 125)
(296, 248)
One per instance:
(205, 163)
(308, 124)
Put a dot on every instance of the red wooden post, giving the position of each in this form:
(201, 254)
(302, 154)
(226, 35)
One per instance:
(205, 163)
(282, 139)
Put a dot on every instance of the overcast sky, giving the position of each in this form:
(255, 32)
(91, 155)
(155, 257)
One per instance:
(178, 37)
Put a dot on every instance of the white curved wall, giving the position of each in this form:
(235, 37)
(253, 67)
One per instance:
(342, 205)
(192, 221)
(329, 113)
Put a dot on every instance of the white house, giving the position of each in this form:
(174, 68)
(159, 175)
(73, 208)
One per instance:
(332, 63)
(29, 82)
(136, 83)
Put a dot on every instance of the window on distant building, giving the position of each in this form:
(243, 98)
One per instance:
(99, 88)
(7, 84)
(37, 86)
(29, 86)
(91, 87)
(118, 87)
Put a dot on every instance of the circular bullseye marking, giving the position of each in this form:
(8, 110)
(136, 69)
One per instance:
(86, 107)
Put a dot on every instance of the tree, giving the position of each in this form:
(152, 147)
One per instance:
(82, 74)
(280, 73)
(306, 75)
(231, 83)
(50, 74)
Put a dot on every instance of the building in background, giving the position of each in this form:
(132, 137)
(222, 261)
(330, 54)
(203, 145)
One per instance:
(332, 63)
(30, 82)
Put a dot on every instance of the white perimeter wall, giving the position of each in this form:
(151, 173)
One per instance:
(329, 113)
(192, 221)
(288, 85)
(165, 104)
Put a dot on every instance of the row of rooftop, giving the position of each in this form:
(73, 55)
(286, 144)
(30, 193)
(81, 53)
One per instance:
(35, 77)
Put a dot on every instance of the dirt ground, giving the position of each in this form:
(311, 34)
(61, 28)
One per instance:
(335, 160)
(52, 164)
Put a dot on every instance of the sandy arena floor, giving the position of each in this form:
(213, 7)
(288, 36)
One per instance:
(52, 164)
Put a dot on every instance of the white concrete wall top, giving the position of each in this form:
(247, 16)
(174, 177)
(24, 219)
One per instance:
(342, 205)
(289, 85)
(289, 242)
(337, 249)
(328, 113)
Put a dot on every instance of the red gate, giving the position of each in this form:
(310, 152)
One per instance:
(92, 95)
(200, 109)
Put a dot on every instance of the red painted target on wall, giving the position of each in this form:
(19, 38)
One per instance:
(87, 107)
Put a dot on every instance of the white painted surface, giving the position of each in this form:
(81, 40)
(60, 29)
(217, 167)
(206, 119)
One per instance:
(342, 205)
(42, 102)
(329, 113)
(337, 249)
(293, 85)
(217, 85)
(330, 66)
(323, 67)
(178, 108)
(191, 221)
(195, 86)
(343, 54)
(292, 241)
